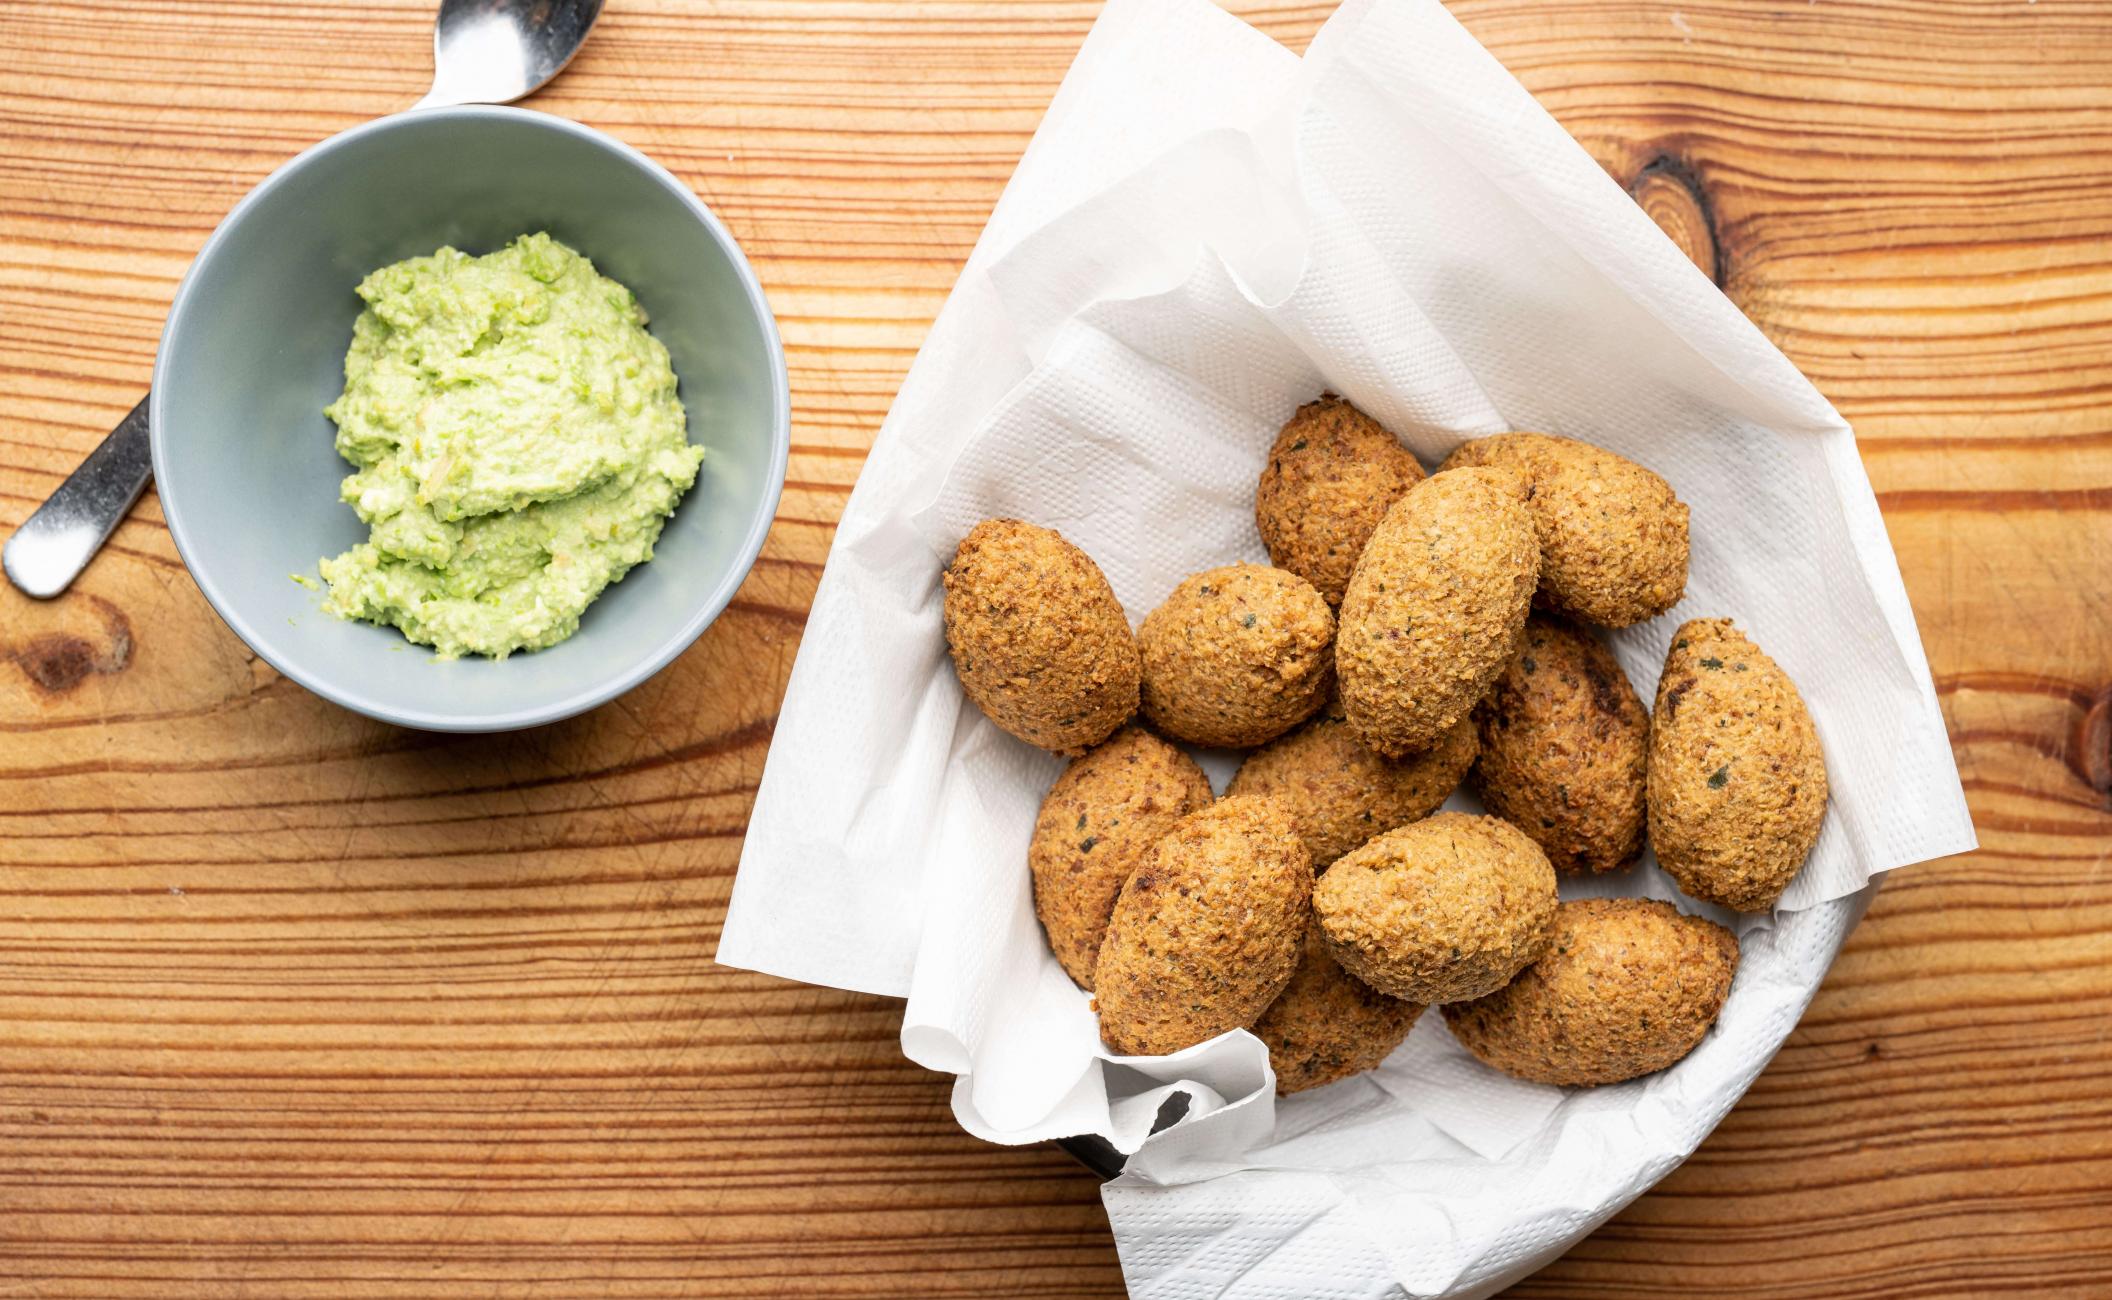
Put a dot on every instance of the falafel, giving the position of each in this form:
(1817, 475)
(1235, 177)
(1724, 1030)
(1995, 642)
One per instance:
(1613, 535)
(1038, 639)
(1327, 1024)
(1206, 932)
(1097, 822)
(1331, 476)
(1737, 778)
(1436, 606)
(1628, 987)
(1563, 741)
(1440, 910)
(1236, 656)
(1339, 794)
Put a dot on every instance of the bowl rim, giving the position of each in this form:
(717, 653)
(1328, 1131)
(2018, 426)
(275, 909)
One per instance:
(602, 691)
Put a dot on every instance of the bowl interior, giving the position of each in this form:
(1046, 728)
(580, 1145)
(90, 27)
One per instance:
(255, 348)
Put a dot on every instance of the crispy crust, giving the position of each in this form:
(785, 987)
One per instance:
(1038, 639)
(1098, 821)
(1613, 536)
(1207, 932)
(1340, 794)
(1236, 656)
(1563, 739)
(1442, 910)
(1330, 478)
(1436, 606)
(1328, 1025)
(1737, 779)
(1628, 987)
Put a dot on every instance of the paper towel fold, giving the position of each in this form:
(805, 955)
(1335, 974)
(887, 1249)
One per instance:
(1206, 232)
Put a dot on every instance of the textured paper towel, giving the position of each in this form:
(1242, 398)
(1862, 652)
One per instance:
(1206, 232)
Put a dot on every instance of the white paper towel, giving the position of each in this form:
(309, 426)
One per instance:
(1206, 232)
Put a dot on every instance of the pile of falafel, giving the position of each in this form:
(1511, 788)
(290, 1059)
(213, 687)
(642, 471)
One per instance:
(1414, 631)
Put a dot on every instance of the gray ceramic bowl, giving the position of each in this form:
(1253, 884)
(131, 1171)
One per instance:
(255, 347)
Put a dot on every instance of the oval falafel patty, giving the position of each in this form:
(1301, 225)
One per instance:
(1332, 474)
(1737, 779)
(1613, 535)
(1628, 987)
(1442, 910)
(1206, 933)
(1436, 606)
(1328, 1024)
(1097, 822)
(1339, 794)
(1563, 740)
(1038, 639)
(1236, 656)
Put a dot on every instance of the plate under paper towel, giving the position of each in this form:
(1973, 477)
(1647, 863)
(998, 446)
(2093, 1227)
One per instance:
(1206, 232)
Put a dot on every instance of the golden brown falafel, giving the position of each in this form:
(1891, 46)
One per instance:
(1330, 478)
(1206, 933)
(1436, 606)
(1737, 780)
(1039, 640)
(1440, 910)
(1613, 536)
(1563, 739)
(1628, 987)
(1340, 794)
(1236, 656)
(1098, 821)
(1327, 1024)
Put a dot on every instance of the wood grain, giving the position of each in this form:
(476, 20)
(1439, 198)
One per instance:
(292, 1004)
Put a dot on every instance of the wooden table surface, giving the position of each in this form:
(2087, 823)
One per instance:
(295, 1004)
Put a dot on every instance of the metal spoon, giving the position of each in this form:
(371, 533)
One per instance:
(484, 52)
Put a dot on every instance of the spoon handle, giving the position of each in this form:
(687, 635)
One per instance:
(53, 545)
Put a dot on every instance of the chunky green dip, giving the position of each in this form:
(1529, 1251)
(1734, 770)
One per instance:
(518, 441)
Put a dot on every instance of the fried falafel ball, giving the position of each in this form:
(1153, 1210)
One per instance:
(1340, 794)
(1327, 1024)
(1737, 780)
(1039, 640)
(1331, 476)
(1563, 740)
(1628, 987)
(1098, 821)
(1613, 536)
(1206, 933)
(1436, 606)
(1440, 910)
(1236, 656)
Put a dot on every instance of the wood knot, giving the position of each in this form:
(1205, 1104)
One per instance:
(2090, 745)
(1668, 189)
(57, 661)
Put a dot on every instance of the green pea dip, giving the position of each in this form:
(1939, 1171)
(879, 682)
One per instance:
(518, 445)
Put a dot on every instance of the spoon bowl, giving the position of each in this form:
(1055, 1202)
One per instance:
(497, 51)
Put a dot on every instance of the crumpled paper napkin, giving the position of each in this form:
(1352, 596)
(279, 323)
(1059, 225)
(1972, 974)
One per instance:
(1206, 232)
